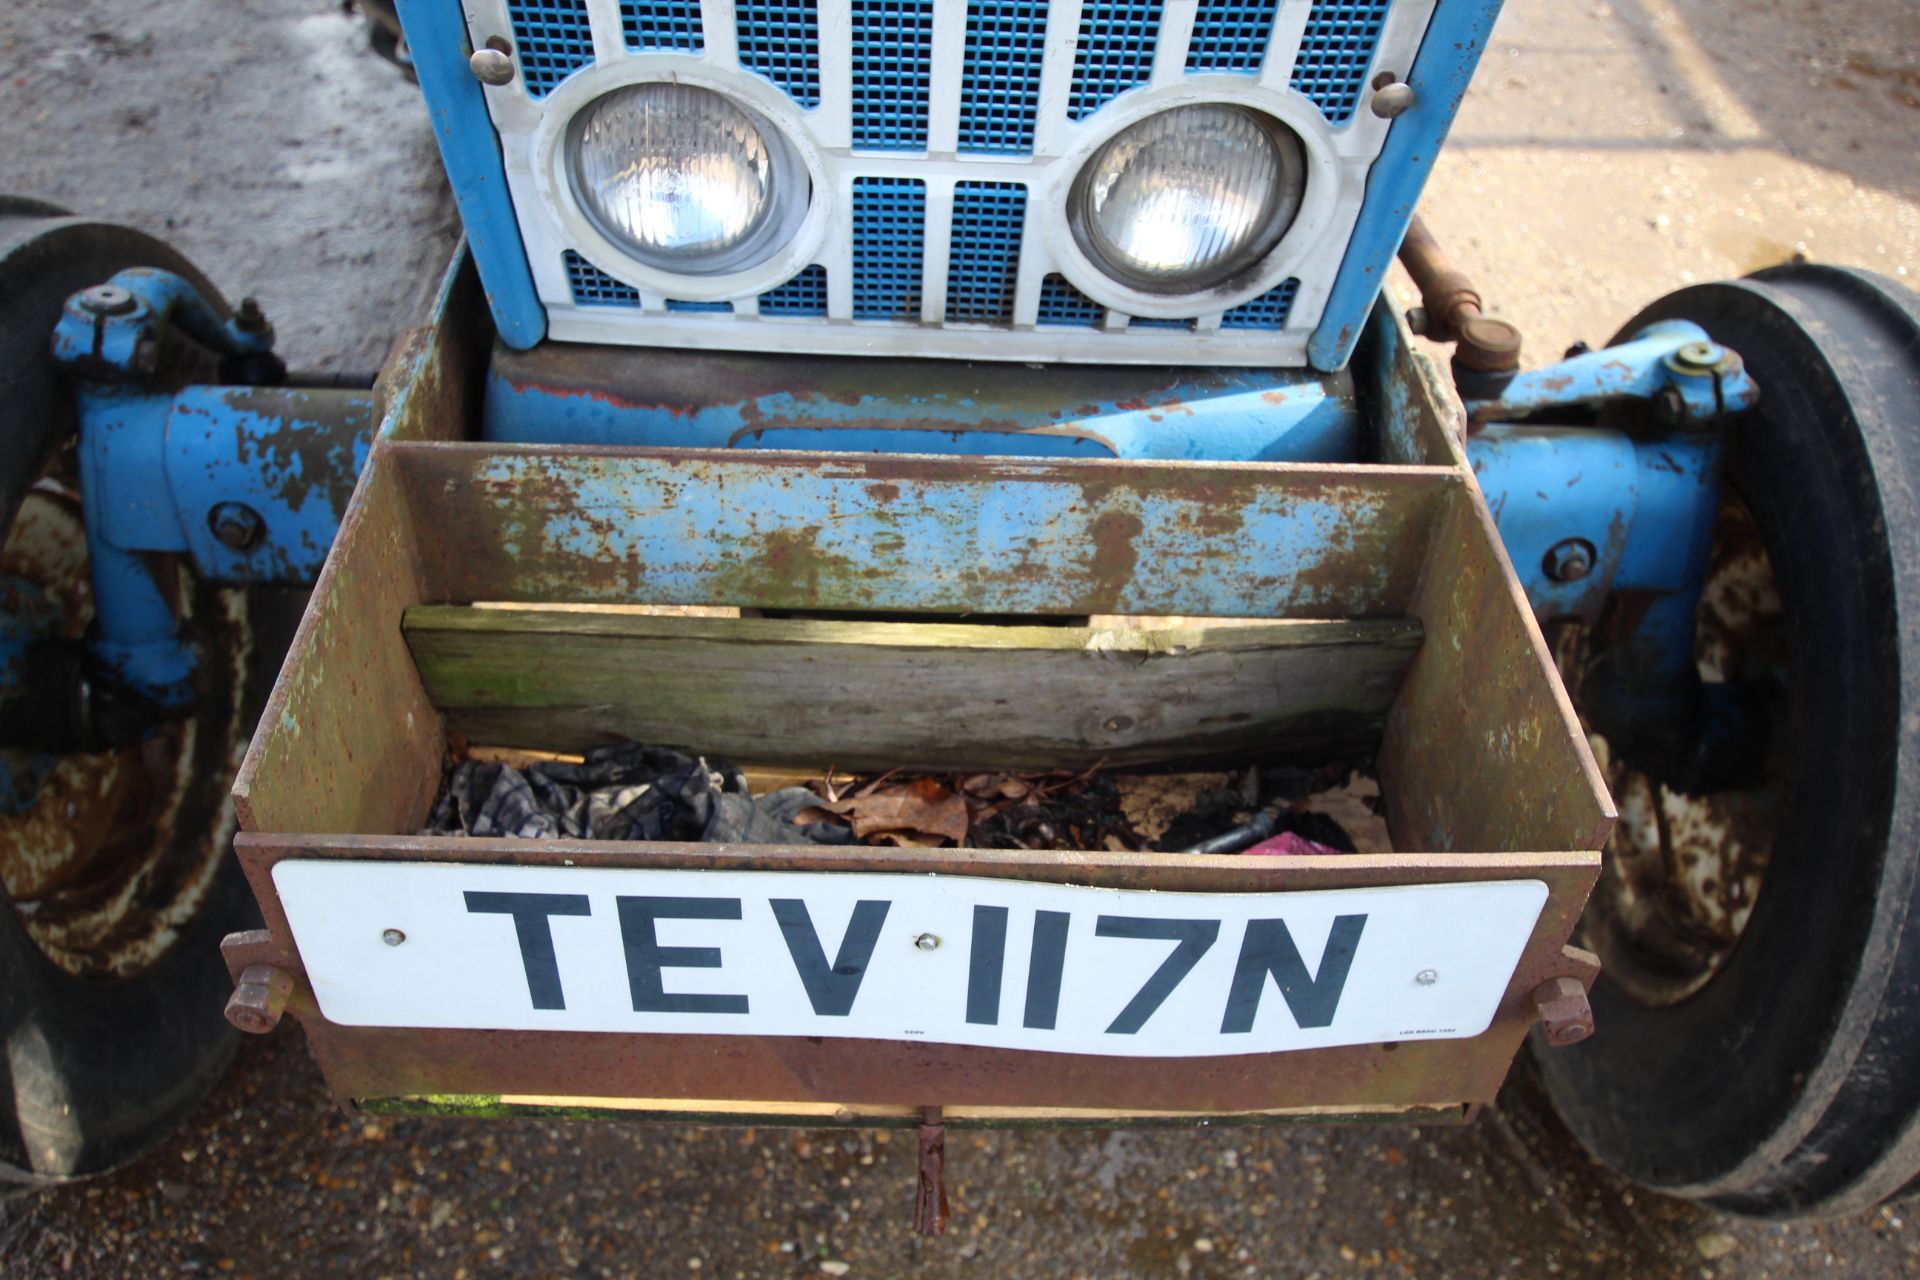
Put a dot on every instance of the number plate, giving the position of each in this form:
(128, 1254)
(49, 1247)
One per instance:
(940, 959)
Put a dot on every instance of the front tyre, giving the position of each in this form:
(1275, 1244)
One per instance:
(1759, 1042)
(119, 880)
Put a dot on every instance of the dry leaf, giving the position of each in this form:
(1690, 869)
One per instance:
(923, 805)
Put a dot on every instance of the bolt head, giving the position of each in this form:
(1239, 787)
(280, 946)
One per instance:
(491, 66)
(1570, 561)
(237, 525)
(1394, 101)
(392, 937)
(927, 942)
(1427, 977)
(1698, 355)
(107, 300)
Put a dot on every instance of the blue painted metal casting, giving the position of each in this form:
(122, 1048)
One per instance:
(1243, 415)
(1441, 72)
(156, 463)
(470, 150)
(1675, 364)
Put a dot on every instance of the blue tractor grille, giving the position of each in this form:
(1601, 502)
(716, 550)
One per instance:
(1115, 53)
(780, 39)
(662, 24)
(892, 73)
(593, 287)
(1336, 53)
(804, 295)
(983, 264)
(889, 238)
(1000, 101)
(1268, 311)
(553, 38)
(1231, 35)
(1064, 307)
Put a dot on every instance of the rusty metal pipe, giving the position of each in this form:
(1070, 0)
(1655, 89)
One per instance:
(1451, 309)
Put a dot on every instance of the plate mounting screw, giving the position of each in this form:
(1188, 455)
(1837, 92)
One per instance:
(392, 937)
(927, 942)
(1427, 977)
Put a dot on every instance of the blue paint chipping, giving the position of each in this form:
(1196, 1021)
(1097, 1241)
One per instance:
(984, 261)
(1064, 307)
(892, 60)
(593, 287)
(1268, 311)
(780, 39)
(651, 25)
(1336, 52)
(804, 295)
(1231, 35)
(552, 40)
(1000, 98)
(889, 241)
(1115, 52)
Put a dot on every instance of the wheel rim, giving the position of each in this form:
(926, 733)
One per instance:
(1682, 873)
(106, 857)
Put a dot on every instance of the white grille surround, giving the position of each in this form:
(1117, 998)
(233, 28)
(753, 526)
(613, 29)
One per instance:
(637, 305)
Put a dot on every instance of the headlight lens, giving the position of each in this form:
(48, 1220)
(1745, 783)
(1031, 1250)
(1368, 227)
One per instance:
(1188, 198)
(683, 178)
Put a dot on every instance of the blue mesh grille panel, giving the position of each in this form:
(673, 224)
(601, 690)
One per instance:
(593, 287)
(662, 24)
(985, 255)
(700, 308)
(780, 39)
(892, 49)
(553, 39)
(889, 237)
(1000, 99)
(1231, 35)
(1335, 53)
(1063, 306)
(1115, 52)
(1268, 311)
(804, 295)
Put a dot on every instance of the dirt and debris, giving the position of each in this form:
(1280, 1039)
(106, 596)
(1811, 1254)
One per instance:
(636, 792)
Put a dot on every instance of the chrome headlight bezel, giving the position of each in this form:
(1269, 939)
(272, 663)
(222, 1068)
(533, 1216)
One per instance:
(1281, 205)
(789, 240)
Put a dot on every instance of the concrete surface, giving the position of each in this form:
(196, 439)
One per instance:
(1613, 149)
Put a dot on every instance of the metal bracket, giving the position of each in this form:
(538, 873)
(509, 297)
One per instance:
(1689, 379)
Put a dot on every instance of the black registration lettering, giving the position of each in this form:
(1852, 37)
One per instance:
(532, 913)
(831, 988)
(646, 957)
(1194, 938)
(986, 959)
(1269, 949)
(1047, 960)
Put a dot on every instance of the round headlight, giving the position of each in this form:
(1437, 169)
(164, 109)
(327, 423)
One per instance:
(1188, 198)
(684, 179)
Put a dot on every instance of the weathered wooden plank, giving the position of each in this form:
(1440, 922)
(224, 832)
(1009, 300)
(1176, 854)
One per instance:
(1483, 750)
(914, 695)
(923, 534)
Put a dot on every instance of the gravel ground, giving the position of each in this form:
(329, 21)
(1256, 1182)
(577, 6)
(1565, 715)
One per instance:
(1611, 151)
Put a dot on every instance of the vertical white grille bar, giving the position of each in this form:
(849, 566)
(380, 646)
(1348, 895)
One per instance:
(835, 112)
(946, 76)
(609, 31)
(937, 249)
(717, 23)
(1056, 77)
(1284, 48)
(1176, 33)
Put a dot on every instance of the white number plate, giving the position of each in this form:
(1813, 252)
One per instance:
(941, 959)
